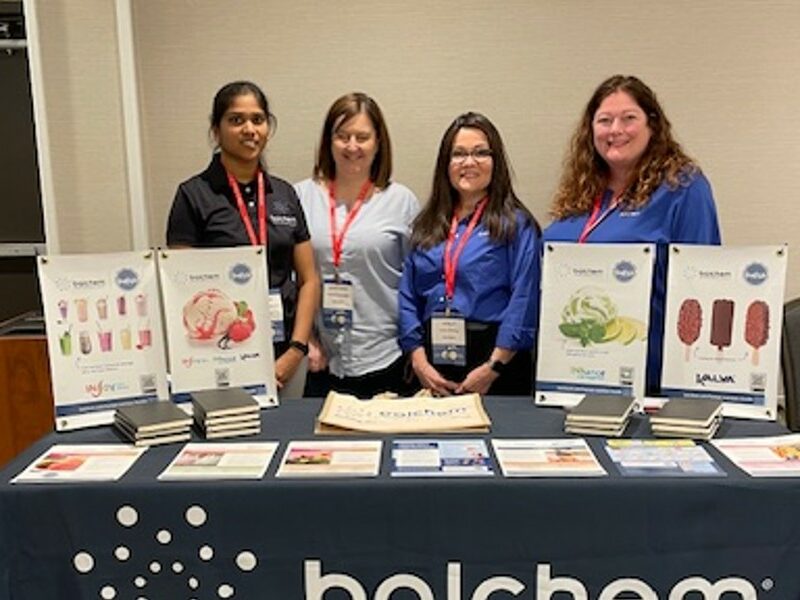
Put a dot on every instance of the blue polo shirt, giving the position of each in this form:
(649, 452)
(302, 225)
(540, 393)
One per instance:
(686, 215)
(495, 283)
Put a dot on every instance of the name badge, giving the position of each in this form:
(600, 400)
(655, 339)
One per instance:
(449, 339)
(337, 304)
(276, 315)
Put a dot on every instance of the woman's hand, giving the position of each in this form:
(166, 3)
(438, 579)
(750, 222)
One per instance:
(286, 365)
(428, 376)
(479, 380)
(317, 359)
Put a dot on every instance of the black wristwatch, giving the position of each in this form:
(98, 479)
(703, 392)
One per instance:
(298, 345)
(497, 366)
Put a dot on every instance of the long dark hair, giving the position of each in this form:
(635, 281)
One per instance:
(432, 225)
(342, 110)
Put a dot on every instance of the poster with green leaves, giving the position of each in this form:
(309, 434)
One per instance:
(595, 308)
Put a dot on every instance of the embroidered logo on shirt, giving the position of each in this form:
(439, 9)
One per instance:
(629, 213)
(283, 220)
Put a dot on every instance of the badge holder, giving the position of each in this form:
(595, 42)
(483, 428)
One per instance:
(276, 315)
(337, 305)
(449, 339)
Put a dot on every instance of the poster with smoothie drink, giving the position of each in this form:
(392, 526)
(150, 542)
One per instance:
(722, 332)
(104, 334)
(216, 314)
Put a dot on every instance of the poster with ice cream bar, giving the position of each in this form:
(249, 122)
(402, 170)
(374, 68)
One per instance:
(104, 334)
(593, 324)
(216, 313)
(722, 332)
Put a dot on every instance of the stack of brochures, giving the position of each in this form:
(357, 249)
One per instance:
(600, 414)
(153, 423)
(229, 412)
(693, 418)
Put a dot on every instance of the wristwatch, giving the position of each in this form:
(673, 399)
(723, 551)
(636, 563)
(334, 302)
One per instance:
(298, 345)
(497, 366)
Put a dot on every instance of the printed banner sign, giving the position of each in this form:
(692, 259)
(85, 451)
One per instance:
(216, 313)
(722, 334)
(104, 334)
(595, 309)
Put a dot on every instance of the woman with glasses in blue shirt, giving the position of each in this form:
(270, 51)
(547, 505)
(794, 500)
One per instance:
(626, 179)
(469, 290)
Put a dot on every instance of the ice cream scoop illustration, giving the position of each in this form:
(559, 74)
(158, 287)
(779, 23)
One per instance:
(208, 314)
(756, 327)
(721, 323)
(591, 317)
(690, 320)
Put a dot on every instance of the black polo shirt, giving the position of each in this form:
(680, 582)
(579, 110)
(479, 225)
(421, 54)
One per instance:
(204, 214)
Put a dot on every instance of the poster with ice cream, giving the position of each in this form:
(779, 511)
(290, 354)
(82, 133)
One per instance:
(216, 313)
(723, 326)
(595, 308)
(104, 334)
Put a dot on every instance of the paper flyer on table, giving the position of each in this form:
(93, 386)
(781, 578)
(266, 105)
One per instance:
(441, 458)
(246, 460)
(216, 312)
(338, 458)
(77, 463)
(662, 458)
(104, 334)
(546, 458)
(722, 332)
(777, 456)
(595, 310)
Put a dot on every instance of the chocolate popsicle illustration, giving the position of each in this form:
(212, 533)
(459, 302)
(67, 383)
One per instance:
(721, 324)
(756, 327)
(690, 319)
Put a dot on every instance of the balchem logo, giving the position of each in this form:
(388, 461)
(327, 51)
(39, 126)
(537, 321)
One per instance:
(240, 273)
(624, 271)
(127, 279)
(755, 273)
(696, 588)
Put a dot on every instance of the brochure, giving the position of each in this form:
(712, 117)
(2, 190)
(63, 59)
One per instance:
(221, 461)
(777, 456)
(662, 458)
(595, 311)
(338, 458)
(722, 332)
(441, 458)
(104, 334)
(546, 458)
(80, 463)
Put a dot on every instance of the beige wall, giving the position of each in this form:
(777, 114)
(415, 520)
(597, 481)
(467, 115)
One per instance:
(724, 70)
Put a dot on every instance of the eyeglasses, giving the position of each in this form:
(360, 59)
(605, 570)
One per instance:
(479, 155)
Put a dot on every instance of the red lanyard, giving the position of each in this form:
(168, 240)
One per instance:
(451, 258)
(337, 241)
(596, 218)
(262, 210)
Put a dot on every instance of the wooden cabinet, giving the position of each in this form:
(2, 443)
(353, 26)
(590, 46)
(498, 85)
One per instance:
(26, 397)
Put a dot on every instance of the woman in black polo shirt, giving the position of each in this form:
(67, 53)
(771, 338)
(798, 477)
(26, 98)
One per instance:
(206, 213)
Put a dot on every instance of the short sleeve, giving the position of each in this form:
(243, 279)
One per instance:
(182, 226)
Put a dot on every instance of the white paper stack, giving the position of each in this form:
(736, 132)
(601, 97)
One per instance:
(600, 414)
(692, 418)
(228, 412)
(153, 423)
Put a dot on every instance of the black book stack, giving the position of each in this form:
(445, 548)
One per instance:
(153, 423)
(600, 414)
(693, 418)
(228, 412)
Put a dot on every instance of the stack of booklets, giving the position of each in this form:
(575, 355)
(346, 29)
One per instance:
(600, 414)
(692, 418)
(153, 423)
(229, 412)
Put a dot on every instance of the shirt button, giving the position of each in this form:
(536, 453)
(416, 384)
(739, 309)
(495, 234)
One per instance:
(247, 190)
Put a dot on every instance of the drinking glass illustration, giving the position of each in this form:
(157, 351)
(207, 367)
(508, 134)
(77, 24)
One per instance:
(102, 308)
(145, 337)
(85, 341)
(125, 338)
(104, 337)
(122, 309)
(65, 343)
(141, 305)
(62, 308)
(81, 306)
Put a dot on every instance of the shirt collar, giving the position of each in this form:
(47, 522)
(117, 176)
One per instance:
(217, 178)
